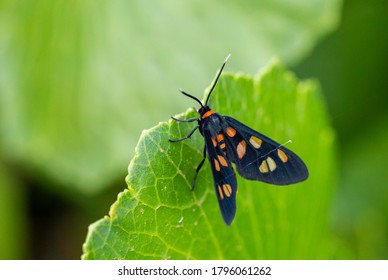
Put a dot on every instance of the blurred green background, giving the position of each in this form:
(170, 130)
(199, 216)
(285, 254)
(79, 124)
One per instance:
(79, 80)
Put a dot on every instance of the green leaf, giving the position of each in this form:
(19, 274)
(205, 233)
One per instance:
(159, 217)
(79, 80)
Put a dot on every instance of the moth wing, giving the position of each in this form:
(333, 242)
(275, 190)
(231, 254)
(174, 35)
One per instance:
(258, 157)
(224, 178)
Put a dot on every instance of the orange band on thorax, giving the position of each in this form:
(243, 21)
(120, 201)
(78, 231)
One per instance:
(207, 114)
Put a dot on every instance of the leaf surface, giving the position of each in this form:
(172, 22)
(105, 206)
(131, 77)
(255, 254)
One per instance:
(159, 217)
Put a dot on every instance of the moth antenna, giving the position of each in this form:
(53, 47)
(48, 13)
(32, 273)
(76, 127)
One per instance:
(285, 143)
(192, 97)
(216, 80)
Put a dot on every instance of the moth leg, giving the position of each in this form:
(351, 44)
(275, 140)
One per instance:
(198, 168)
(188, 120)
(186, 137)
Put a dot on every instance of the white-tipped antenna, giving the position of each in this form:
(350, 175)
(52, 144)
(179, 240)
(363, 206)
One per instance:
(289, 141)
(216, 80)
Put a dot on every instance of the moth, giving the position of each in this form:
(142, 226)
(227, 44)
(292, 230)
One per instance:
(255, 156)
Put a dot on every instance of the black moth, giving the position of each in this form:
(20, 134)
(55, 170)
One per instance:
(256, 156)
